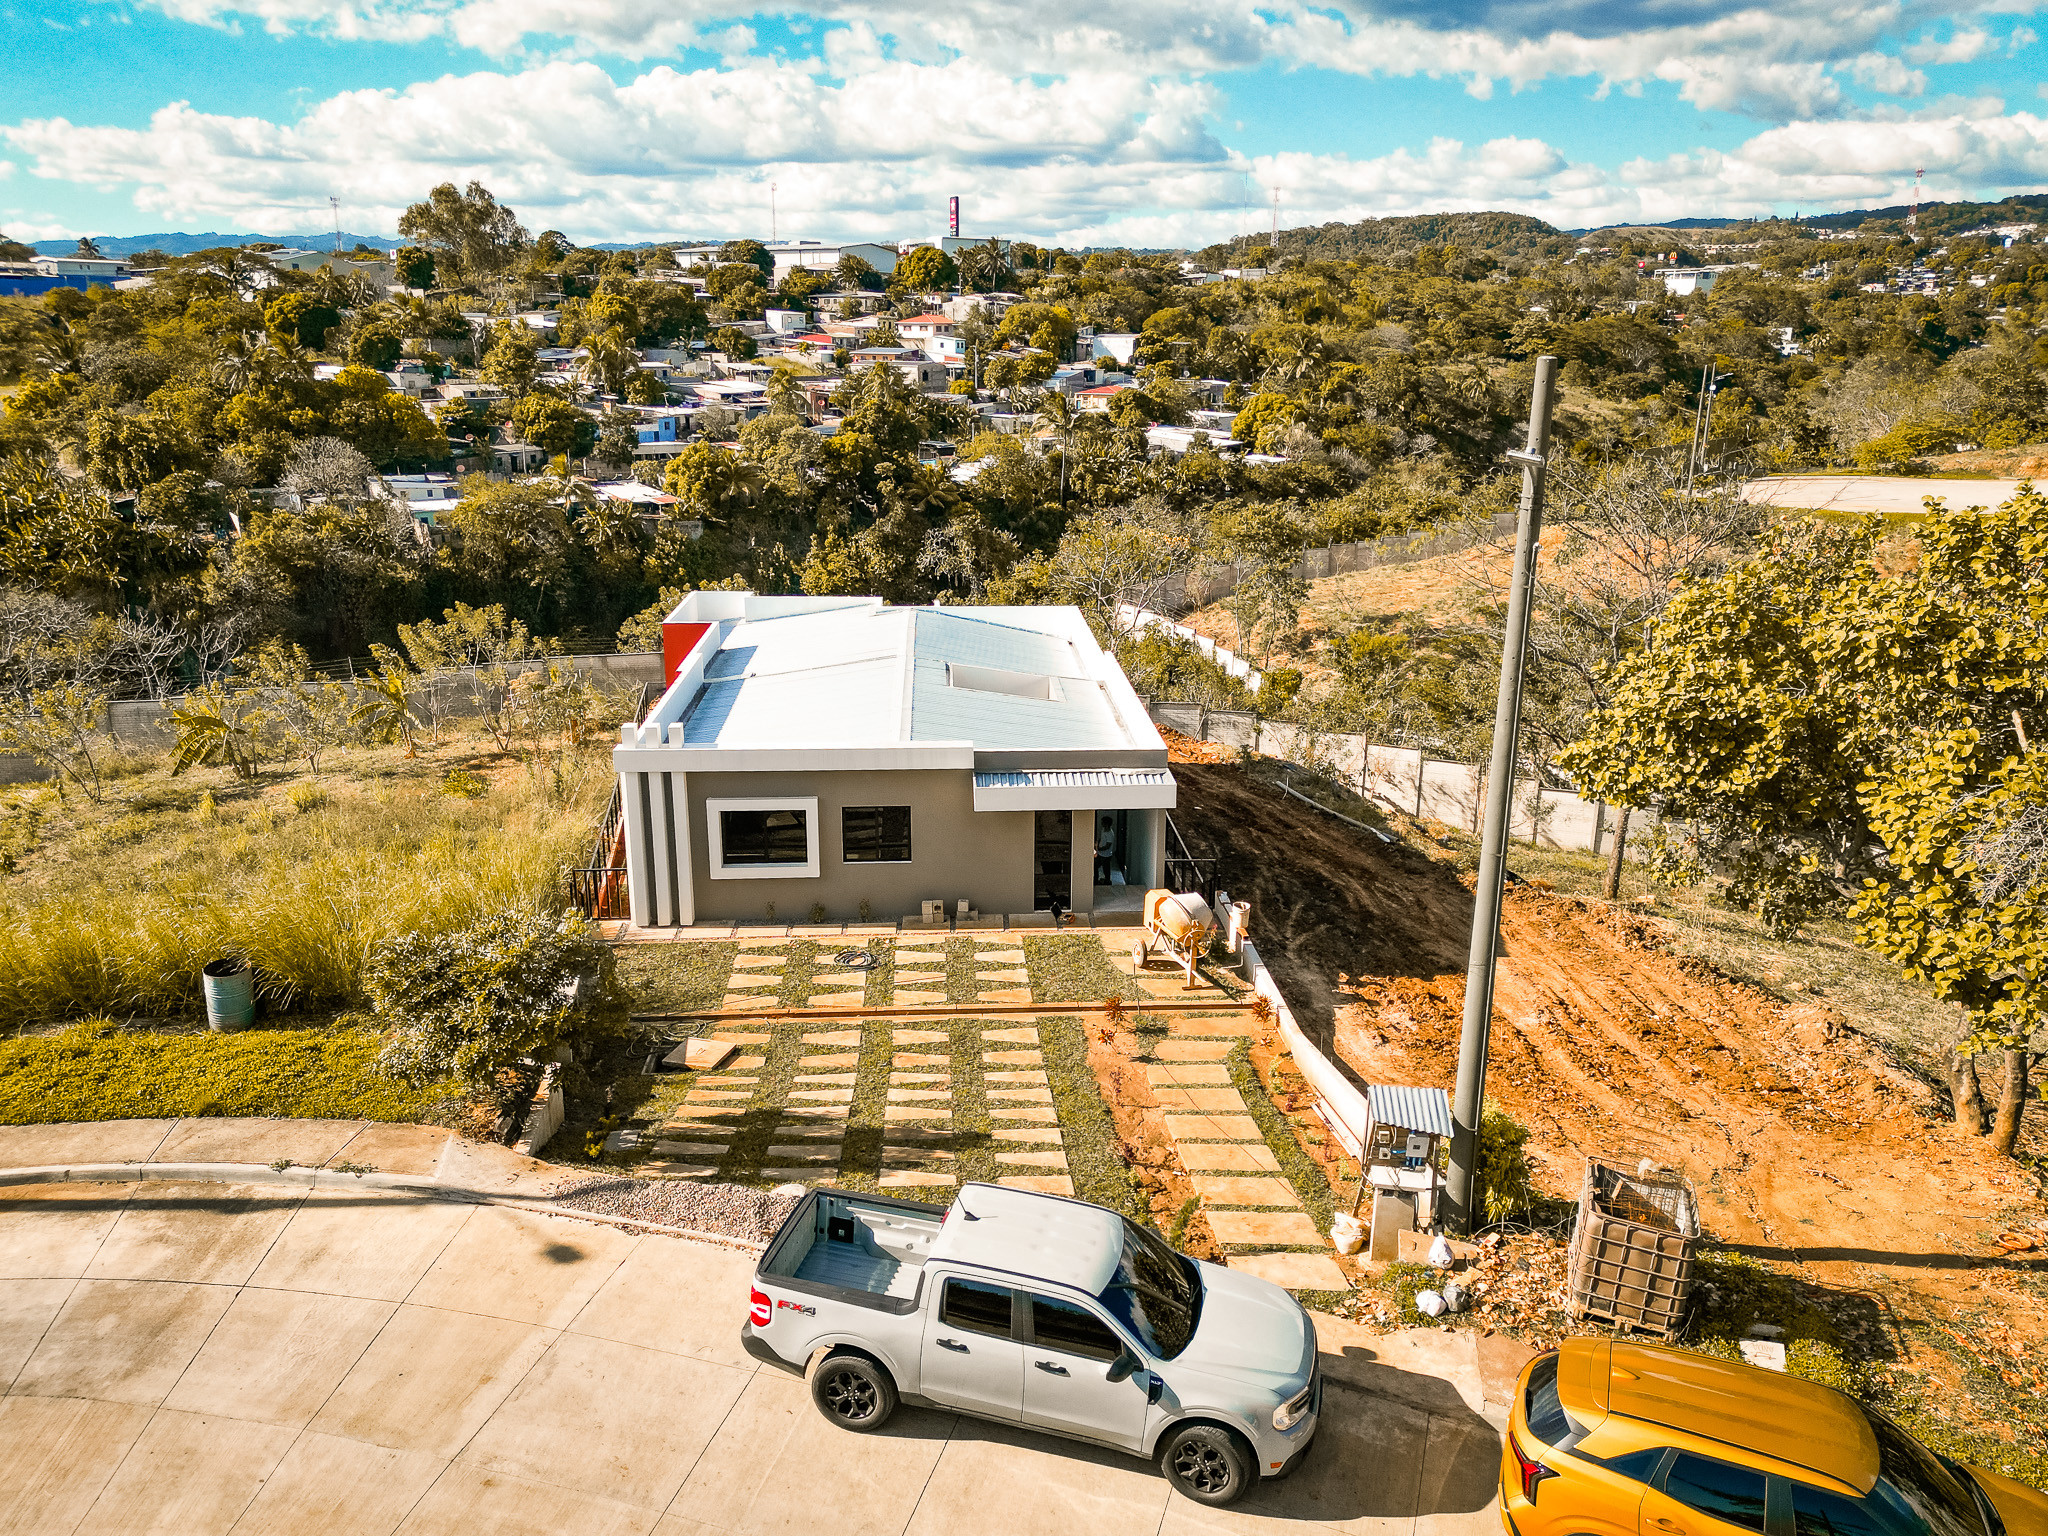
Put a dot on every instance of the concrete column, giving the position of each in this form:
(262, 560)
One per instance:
(1083, 833)
(686, 868)
(661, 829)
(1148, 849)
(639, 850)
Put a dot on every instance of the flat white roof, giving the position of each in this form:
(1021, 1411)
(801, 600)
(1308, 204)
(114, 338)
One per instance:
(797, 682)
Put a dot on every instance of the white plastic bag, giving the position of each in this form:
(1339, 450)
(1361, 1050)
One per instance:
(1440, 1253)
(1429, 1304)
(1347, 1233)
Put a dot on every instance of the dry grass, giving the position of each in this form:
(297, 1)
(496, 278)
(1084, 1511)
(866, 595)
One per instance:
(112, 906)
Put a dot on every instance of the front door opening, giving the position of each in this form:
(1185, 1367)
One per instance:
(1052, 860)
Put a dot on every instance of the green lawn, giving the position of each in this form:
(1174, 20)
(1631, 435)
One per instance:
(97, 1070)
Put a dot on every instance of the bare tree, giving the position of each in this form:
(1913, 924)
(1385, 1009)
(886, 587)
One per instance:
(327, 467)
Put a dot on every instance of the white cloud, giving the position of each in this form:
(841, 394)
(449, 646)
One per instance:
(1087, 159)
(1776, 62)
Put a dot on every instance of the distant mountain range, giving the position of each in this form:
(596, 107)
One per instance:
(184, 245)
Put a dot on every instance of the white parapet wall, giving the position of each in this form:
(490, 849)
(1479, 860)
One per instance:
(1340, 1102)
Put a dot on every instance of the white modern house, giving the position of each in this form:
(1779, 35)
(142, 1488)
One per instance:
(843, 754)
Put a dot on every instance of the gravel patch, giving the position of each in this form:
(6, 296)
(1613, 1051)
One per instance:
(730, 1210)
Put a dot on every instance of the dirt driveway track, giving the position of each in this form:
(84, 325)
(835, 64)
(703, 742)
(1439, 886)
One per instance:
(199, 1359)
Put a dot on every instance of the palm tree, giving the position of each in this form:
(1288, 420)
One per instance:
(1058, 414)
(287, 359)
(235, 365)
(383, 710)
(607, 359)
(785, 393)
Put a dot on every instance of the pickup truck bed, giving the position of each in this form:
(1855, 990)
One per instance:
(864, 1245)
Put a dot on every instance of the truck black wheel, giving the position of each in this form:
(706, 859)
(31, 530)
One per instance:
(854, 1393)
(1207, 1463)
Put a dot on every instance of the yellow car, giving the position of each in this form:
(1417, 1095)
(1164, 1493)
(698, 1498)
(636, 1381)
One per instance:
(1616, 1439)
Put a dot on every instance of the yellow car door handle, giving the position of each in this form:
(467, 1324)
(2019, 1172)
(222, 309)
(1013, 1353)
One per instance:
(1667, 1525)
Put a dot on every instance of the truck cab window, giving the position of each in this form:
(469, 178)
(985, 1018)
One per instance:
(1072, 1330)
(977, 1308)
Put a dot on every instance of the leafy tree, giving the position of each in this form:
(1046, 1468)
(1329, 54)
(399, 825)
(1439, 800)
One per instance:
(1835, 720)
(512, 359)
(217, 723)
(468, 231)
(509, 542)
(733, 343)
(300, 318)
(376, 345)
(125, 453)
(473, 1003)
(414, 267)
(307, 717)
(854, 273)
(550, 422)
(55, 727)
(330, 576)
(383, 709)
(924, 270)
(752, 253)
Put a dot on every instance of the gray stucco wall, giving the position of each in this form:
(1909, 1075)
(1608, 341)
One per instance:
(956, 851)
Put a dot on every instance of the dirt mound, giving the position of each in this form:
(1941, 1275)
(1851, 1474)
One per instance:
(1806, 1143)
(2028, 461)
(1185, 749)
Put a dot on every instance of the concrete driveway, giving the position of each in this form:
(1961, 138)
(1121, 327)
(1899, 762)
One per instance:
(194, 1359)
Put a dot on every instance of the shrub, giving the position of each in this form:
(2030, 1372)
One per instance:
(307, 797)
(474, 1001)
(463, 784)
(1504, 1187)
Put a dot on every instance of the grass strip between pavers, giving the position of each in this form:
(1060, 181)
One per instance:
(755, 1131)
(963, 983)
(1072, 968)
(685, 976)
(1086, 1126)
(799, 965)
(881, 988)
(860, 1158)
(1302, 1171)
(974, 1156)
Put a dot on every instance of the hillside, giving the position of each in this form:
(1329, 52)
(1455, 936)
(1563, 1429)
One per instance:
(1503, 234)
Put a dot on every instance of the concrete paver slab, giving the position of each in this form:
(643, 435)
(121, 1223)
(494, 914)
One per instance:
(60, 1146)
(1263, 1227)
(1224, 1189)
(465, 1500)
(249, 1140)
(430, 1379)
(681, 1298)
(27, 1308)
(122, 1341)
(188, 1475)
(214, 1234)
(1193, 1050)
(642, 1419)
(276, 1356)
(760, 1473)
(1221, 1156)
(55, 1229)
(56, 1454)
(360, 1245)
(1293, 1271)
(330, 1483)
(1188, 1074)
(1213, 1128)
(1207, 1100)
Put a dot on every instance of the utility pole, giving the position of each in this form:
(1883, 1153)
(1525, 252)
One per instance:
(1470, 1101)
(1274, 259)
(1702, 424)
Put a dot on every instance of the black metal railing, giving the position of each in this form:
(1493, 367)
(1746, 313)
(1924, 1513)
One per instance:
(599, 892)
(1185, 872)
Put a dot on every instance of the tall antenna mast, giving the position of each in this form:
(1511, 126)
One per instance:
(1913, 213)
(335, 203)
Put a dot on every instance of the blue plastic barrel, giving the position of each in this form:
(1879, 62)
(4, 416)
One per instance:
(230, 994)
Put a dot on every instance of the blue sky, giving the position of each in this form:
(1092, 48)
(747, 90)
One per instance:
(1146, 123)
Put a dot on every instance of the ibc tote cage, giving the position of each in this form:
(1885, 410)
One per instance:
(1632, 1249)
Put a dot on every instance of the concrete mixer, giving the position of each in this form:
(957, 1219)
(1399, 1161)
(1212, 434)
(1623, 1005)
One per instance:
(1178, 925)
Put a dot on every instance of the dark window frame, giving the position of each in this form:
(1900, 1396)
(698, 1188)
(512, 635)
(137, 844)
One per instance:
(881, 849)
(1663, 1486)
(1121, 1345)
(745, 857)
(1007, 1331)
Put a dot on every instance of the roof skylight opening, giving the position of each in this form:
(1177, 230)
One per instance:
(1018, 685)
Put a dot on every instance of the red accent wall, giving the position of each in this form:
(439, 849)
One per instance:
(677, 641)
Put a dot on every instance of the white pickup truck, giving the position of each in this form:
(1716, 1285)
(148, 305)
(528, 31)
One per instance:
(1050, 1313)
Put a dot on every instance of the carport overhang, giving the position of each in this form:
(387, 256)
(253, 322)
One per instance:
(1075, 789)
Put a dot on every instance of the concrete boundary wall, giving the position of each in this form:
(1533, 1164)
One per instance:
(1197, 588)
(1407, 780)
(453, 695)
